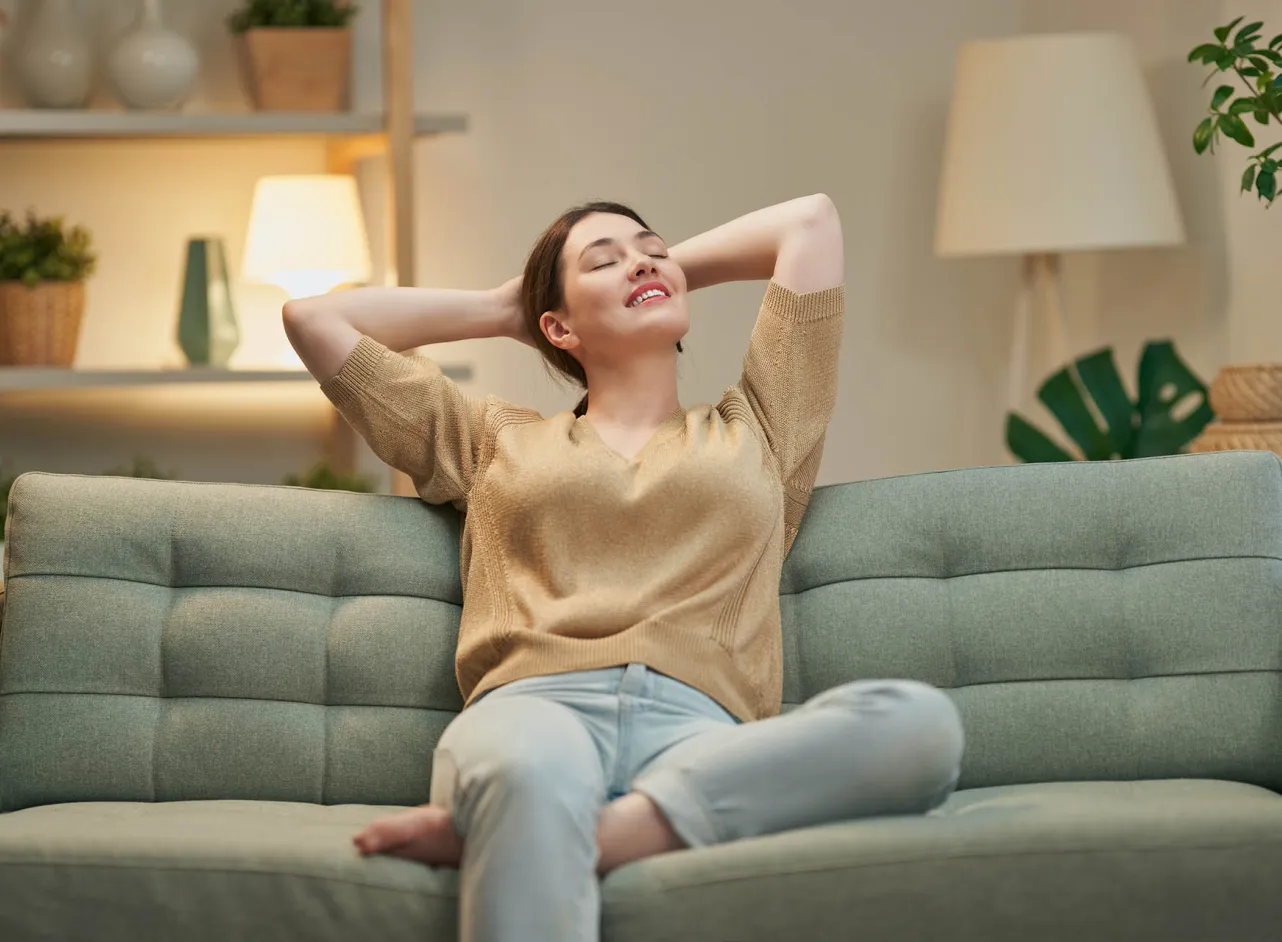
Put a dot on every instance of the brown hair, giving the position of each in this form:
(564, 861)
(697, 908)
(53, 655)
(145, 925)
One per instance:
(543, 287)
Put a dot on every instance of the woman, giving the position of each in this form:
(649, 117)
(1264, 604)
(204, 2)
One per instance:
(619, 653)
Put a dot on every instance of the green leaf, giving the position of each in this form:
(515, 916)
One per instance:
(1243, 105)
(1202, 134)
(1271, 56)
(1246, 32)
(1236, 128)
(1061, 395)
(1260, 63)
(1206, 52)
(1261, 117)
(1266, 184)
(1164, 382)
(1269, 166)
(1222, 32)
(1222, 94)
(1248, 178)
(1098, 373)
(1275, 41)
(1250, 71)
(1028, 444)
(1268, 150)
(1225, 60)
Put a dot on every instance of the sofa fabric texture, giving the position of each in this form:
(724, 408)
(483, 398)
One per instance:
(205, 689)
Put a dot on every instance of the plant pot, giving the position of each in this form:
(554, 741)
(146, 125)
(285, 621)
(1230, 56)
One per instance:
(297, 69)
(40, 325)
(1248, 392)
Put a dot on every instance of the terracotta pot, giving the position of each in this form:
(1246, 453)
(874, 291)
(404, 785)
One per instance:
(297, 69)
(40, 325)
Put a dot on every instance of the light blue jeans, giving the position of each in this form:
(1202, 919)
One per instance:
(526, 770)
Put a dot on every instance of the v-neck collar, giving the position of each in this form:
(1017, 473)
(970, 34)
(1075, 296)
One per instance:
(585, 423)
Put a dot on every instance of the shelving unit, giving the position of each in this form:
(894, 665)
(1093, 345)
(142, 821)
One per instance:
(50, 124)
(27, 378)
(348, 138)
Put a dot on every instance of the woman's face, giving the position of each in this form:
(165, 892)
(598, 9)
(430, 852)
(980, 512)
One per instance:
(623, 295)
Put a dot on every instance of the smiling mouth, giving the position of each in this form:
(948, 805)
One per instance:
(653, 296)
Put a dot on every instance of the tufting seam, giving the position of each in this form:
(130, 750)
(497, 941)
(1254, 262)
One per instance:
(264, 588)
(995, 572)
(146, 696)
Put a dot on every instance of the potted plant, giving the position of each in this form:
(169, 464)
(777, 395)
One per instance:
(43, 266)
(323, 476)
(1246, 397)
(295, 55)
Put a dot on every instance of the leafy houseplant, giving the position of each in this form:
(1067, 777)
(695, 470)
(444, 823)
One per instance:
(322, 475)
(295, 55)
(1255, 67)
(1152, 423)
(43, 265)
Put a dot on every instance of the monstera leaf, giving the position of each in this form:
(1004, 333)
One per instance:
(1132, 428)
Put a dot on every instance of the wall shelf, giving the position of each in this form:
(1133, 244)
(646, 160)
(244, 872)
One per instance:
(26, 378)
(101, 123)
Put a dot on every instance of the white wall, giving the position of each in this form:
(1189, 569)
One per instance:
(698, 112)
(693, 112)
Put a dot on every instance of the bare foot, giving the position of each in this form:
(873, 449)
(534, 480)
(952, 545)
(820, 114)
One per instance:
(630, 828)
(425, 834)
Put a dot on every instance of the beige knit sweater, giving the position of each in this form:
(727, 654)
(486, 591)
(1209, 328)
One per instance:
(574, 557)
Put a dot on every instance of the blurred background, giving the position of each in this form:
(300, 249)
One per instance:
(694, 112)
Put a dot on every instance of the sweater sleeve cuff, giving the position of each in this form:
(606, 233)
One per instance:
(360, 366)
(804, 308)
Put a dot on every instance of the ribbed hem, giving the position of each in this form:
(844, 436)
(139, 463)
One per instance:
(359, 367)
(804, 308)
(694, 659)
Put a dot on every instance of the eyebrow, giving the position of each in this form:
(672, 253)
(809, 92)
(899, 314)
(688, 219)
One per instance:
(643, 234)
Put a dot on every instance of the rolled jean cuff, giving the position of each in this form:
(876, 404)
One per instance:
(682, 805)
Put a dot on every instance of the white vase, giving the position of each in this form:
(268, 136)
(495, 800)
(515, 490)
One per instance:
(151, 66)
(55, 61)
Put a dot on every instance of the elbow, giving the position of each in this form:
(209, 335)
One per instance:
(820, 212)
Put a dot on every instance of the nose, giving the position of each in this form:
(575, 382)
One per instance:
(642, 266)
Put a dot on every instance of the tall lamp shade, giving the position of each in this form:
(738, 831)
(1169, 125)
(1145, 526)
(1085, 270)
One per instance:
(306, 234)
(1053, 146)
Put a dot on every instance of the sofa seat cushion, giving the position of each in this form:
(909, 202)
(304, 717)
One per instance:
(1161, 860)
(211, 870)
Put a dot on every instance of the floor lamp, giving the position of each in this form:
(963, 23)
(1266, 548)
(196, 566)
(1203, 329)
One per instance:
(1052, 147)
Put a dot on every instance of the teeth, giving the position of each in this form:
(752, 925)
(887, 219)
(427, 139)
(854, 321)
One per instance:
(652, 293)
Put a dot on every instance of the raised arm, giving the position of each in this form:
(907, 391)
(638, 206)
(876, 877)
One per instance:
(414, 417)
(789, 375)
(797, 244)
(324, 330)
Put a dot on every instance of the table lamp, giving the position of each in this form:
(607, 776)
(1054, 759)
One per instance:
(306, 234)
(1052, 146)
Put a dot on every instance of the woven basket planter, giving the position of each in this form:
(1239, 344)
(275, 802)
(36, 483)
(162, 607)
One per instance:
(297, 69)
(40, 325)
(1234, 436)
(1248, 392)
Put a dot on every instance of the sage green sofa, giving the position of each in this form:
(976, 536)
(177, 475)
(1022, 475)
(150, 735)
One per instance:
(205, 689)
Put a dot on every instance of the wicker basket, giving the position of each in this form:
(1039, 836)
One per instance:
(1248, 392)
(1232, 436)
(39, 326)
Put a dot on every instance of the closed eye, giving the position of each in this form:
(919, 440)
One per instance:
(602, 265)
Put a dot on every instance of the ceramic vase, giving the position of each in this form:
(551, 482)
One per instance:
(207, 328)
(55, 61)
(152, 66)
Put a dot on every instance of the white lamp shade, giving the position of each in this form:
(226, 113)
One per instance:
(306, 234)
(1053, 146)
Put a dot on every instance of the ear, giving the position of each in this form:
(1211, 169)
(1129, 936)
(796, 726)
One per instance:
(558, 332)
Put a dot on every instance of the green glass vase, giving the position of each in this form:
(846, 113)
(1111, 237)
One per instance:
(207, 329)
